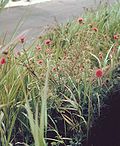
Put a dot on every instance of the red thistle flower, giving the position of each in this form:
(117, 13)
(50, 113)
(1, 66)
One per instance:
(99, 73)
(80, 20)
(38, 47)
(95, 29)
(48, 42)
(116, 37)
(16, 53)
(22, 39)
(40, 61)
(2, 61)
(101, 55)
(48, 51)
(54, 69)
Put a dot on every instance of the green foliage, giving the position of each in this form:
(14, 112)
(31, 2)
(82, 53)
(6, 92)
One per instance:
(3, 3)
(49, 92)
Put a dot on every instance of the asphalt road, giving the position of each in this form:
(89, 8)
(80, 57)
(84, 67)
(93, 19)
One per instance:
(39, 16)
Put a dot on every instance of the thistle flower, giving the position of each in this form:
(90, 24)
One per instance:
(48, 51)
(80, 20)
(116, 37)
(99, 73)
(2, 61)
(22, 39)
(40, 61)
(48, 42)
(95, 29)
(38, 47)
(101, 55)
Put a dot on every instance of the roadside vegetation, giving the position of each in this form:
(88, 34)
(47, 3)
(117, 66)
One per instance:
(52, 89)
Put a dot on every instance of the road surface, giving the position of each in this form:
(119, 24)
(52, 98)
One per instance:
(37, 17)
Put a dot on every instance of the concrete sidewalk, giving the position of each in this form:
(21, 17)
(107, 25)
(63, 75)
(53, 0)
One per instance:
(37, 17)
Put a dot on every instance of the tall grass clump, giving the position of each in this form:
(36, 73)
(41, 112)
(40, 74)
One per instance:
(52, 89)
(39, 125)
